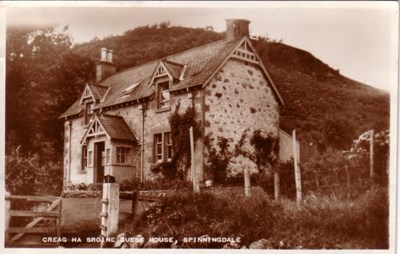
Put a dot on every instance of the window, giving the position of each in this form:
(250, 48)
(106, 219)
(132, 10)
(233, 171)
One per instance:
(108, 156)
(158, 147)
(103, 158)
(122, 155)
(162, 147)
(163, 95)
(89, 162)
(87, 111)
(84, 157)
(168, 146)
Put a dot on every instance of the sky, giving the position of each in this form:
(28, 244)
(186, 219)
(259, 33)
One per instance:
(358, 38)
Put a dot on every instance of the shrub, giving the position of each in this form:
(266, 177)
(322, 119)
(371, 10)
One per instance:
(320, 222)
(188, 214)
(157, 184)
(25, 175)
(217, 159)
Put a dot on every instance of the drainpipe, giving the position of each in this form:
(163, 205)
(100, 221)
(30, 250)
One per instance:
(69, 125)
(142, 107)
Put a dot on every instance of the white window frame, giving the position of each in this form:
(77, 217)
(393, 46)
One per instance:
(166, 102)
(163, 147)
(122, 154)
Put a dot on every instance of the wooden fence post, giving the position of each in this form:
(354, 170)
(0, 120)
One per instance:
(297, 174)
(247, 182)
(371, 155)
(276, 185)
(196, 187)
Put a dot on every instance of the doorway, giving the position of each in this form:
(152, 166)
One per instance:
(99, 160)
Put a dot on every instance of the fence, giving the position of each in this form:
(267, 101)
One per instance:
(34, 226)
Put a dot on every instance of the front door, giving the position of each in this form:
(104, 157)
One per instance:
(99, 158)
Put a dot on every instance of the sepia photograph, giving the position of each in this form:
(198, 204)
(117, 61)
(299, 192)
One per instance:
(200, 126)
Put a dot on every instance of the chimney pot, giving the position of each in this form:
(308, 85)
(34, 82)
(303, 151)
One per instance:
(103, 55)
(105, 67)
(236, 29)
(110, 56)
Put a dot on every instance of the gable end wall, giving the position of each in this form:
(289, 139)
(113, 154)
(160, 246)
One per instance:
(236, 99)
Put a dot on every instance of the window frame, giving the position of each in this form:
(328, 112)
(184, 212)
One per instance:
(90, 157)
(162, 140)
(168, 146)
(87, 111)
(163, 104)
(122, 154)
(84, 162)
(108, 153)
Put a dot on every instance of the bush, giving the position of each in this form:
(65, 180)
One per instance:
(320, 222)
(157, 184)
(188, 214)
(25, 175)
(217, 159)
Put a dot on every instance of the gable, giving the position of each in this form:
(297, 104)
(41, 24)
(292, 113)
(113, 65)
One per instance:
(94, 129)
(245, 51)
(114, 127)
(87, 94)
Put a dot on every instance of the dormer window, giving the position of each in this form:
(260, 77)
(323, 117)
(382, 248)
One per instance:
(87, 112)
(163, 95)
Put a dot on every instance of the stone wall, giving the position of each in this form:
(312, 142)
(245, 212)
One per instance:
(238, 100)
(157, 121)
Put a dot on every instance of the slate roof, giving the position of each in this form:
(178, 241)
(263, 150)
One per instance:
(175, 69)
(98, 91)
(116, 127)
(197, 63)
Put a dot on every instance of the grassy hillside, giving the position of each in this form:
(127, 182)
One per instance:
(321, 104)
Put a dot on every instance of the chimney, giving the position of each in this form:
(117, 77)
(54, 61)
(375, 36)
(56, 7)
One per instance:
(105, 67)
(236, 29)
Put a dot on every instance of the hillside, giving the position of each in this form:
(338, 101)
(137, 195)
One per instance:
(321, 104)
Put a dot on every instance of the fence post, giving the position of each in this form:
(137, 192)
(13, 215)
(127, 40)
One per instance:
(7, 217)
(59, 218)
(276, 185)
(247, 182)
(110, 210)
(297, 174)
(196, 187)
(371, 155)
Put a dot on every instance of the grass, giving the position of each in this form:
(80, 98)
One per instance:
(323, 222)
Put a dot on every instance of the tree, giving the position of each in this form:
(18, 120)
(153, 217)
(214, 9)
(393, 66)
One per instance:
(43, 78)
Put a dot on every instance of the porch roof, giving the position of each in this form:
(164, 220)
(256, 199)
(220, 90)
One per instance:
(116, 128)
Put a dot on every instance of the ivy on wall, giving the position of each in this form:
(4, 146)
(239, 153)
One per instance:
(217, 161)
(180, 124)
(262, 150)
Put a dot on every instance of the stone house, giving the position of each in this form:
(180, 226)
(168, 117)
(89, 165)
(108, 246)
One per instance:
(119, 125)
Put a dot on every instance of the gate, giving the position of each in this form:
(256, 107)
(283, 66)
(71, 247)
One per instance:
(52, 211)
